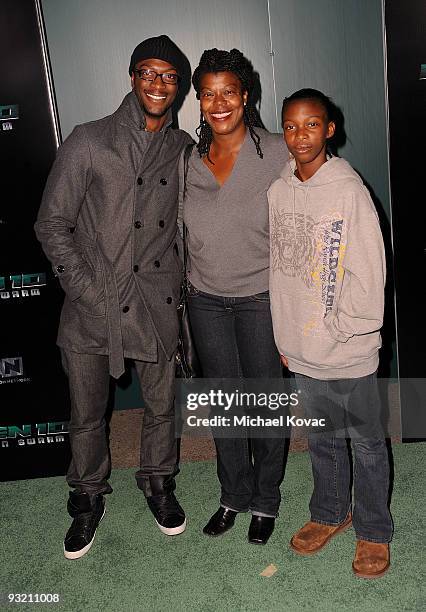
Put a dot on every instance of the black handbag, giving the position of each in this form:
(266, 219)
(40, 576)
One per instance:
(187, 361)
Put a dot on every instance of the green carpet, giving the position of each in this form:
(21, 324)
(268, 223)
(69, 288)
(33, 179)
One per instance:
(132, 566)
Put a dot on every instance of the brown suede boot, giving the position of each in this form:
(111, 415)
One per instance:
(314, 536)
(371, 560)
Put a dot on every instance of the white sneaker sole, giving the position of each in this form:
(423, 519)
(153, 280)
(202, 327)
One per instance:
(171, 531)
(79, 553)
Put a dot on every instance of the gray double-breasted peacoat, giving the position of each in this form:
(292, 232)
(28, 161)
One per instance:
(107, 222)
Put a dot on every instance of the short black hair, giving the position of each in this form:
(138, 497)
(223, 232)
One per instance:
(312, 94)
(218, 60)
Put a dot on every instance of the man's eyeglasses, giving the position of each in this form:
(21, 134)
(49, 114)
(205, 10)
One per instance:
(169, 78)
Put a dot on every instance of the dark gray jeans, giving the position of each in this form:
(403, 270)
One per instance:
(89, 389)
(351, 407)
(234, 339)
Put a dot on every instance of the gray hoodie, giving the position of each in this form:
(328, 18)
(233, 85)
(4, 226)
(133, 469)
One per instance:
(327, 272)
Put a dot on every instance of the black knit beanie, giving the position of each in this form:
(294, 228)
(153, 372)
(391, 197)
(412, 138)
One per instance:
(159, 47)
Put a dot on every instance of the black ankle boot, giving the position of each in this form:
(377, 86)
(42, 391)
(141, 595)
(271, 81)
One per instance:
(220, 522)
(163, 504)
(261, 528)
(87, 514)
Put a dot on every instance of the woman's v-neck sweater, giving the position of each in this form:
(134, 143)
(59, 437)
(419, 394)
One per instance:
(228, 225)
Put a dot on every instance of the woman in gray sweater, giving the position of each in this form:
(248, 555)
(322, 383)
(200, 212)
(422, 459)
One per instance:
(226, 213)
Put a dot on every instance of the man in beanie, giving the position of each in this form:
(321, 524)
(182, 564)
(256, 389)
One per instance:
(107, 223)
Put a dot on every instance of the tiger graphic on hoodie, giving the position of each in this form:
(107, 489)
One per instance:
(327, 272)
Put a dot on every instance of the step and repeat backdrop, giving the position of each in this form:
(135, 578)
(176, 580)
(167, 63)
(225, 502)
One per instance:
(34, 403)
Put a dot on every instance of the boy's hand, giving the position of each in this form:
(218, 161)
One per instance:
(284, 361)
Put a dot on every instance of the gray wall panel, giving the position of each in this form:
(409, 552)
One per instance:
(332, 45)
(336, 46)
(90, 43)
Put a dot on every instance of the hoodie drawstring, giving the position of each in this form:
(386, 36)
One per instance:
(305, 207)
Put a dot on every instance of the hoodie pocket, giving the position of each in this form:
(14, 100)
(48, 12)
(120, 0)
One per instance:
(300, 332)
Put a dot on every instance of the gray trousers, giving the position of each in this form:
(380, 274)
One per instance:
(89, 381)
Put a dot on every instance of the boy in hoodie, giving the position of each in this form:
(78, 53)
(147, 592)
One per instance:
(327, 296)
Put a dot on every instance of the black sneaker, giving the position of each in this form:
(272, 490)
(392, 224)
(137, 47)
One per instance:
(87, 517)
(168, 514)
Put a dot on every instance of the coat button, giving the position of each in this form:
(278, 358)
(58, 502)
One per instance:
(140, 180)
(135, 268)
(163, 181)
(157, 264)
(126, 309)
(161, 223)
(60, 269)
(169, 300)
(138, 224)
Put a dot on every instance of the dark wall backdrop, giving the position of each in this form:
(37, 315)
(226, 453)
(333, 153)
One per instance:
(343, 54)
(34, 405)
(406, 52)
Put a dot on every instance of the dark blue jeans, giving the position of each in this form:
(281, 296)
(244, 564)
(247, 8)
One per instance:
(351, 405)
(234, 339)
